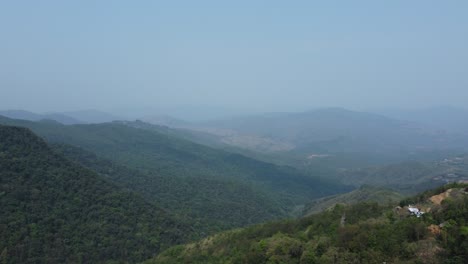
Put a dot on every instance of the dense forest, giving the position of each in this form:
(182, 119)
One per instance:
(125, 192)
(54, 211)
(210, 205)
(234, 132)
(412, 176)
(217, 189)
(365, 193)
(361, 233)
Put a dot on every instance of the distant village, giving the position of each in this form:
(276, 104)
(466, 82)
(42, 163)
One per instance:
(457, 174)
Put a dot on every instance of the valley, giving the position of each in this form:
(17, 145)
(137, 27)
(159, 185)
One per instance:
(190, 185)
(233, 132)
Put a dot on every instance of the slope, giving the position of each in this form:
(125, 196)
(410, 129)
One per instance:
(441, 117)
(410, 177)
(336, 131)
(25, 115)
(365, 193)
(211, 205)
(219, 189)
(360, 233)
(92, 116)
(54, 211)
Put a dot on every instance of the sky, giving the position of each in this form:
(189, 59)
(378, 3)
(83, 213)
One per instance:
(238, 55)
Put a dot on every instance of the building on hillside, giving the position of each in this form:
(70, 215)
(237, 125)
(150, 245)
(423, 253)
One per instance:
(415, 211)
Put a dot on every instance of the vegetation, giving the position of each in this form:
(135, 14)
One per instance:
(410, 177)
(121, 192)
(368, 193)
(54, 211)
(361, 233)
(218, 190)
(184, 197)
(337, 130)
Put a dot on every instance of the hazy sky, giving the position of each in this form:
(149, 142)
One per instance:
(260, 55)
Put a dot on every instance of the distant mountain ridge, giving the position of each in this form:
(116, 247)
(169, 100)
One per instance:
(26, 115)
(92, 116)
(66, 118)
(165, 120)
(337, 130)
(442, 117)
(185, 173)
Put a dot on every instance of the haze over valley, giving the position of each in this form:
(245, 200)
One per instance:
(242, 132)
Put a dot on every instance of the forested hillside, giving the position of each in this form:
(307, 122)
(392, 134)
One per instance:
(210, 205)
(410, 177)
(365, 193)
(54, 211)
(360, 233)
(218, 189)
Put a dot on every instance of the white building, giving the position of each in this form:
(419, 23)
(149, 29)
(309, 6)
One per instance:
(415, 211)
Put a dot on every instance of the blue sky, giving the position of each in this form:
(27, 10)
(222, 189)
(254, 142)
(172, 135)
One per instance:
(256, 55)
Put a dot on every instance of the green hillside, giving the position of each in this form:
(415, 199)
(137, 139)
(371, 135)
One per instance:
(410, 177)
(365, 193)
(54, 211)
(217, 189)
(360, 233)
(210, 205)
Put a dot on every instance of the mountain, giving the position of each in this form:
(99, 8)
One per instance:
(92, 116)
(442, 118)
(26, 115)
(217, 189)
(328, 138)
(224, 138)
(360, 233)
(55, 211)
(411, 176)
(365, 193)
(63, 119)
(66, 118)
(333, 131)
(165, 120)
(408, 177)
(210, 205)
(247, 146)
(21, 114)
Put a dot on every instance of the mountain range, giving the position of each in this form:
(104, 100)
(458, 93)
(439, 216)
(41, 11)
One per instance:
(337, 129)
(124, 191)
(210, 186)
(66, 118)
(445, 118)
